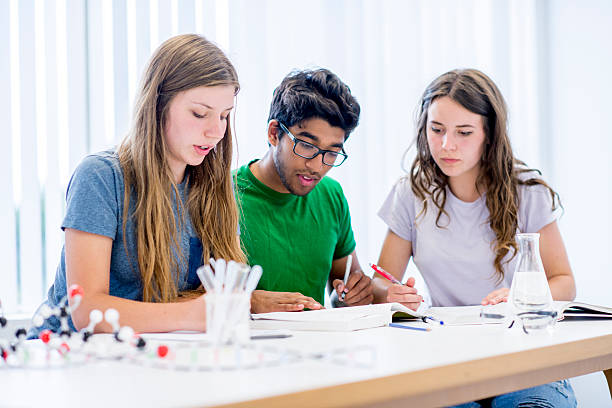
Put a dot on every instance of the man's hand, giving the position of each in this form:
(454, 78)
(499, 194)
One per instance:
(263, 301)
(358, 290)
(405, 294)
(495, 297)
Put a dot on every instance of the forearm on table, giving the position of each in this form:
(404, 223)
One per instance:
(143, 316)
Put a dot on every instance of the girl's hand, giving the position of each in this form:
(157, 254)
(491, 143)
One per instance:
(495, 297)
(405, 294)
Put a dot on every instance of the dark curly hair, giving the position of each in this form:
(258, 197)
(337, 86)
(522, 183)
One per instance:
(318, 93)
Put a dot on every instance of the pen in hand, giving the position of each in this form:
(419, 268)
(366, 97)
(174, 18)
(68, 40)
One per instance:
(347, 272)
(385, 274)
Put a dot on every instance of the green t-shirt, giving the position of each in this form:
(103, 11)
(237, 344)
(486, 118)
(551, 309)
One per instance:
(294, 238)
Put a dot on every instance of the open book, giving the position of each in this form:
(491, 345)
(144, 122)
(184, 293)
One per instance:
(339, 319)
(462, 315)
(582, 310)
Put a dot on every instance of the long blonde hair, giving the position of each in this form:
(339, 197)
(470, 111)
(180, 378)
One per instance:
(500, 170)
(179, 64)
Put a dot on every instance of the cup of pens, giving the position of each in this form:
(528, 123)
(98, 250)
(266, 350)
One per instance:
(228, 288)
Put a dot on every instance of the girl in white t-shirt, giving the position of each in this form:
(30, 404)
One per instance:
(459, 209)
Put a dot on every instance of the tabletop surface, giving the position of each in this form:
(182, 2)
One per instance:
(305, 361)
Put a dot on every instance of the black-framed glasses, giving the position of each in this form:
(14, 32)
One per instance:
(310, 151)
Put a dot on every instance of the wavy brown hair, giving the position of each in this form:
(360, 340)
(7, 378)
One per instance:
(499, 169)
(179, 64)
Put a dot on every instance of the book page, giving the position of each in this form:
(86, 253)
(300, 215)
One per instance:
(329, 315)
(580, 309)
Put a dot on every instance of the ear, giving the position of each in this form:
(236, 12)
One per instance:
(273, 132)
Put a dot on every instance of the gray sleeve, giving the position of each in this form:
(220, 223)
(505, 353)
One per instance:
(535, 208)
(398, 210)
(91, 200)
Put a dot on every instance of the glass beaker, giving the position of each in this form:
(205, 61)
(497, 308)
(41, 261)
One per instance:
(530, 290)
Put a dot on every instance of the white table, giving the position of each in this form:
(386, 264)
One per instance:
(446, 366)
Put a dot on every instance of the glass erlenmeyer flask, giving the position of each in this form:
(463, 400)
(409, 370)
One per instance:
(530, 290)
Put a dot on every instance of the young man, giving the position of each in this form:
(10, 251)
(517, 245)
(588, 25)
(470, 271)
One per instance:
(295, 222)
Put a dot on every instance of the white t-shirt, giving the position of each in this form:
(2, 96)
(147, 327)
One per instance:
(456, 261)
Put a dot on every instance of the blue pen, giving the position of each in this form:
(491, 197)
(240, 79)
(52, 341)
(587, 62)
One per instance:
(401, 326)
(433, 319)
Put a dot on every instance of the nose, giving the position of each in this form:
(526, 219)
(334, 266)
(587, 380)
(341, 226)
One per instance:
(448, 142)
(316, 163)
(216, 129)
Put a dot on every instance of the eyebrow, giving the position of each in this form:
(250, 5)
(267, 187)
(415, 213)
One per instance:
(210, 107)
(316, 139)
(459, 126)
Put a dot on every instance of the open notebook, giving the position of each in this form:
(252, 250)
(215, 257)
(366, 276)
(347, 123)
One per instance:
(339, 319)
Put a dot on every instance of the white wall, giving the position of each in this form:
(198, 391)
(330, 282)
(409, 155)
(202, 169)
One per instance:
(581, 137)
(580, 148)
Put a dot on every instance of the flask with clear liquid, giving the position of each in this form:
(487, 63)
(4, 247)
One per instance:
(530, 290)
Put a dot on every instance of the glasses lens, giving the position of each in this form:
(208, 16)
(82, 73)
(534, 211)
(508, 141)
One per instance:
(535, 321)
(493, 313)
(305, 150)
(332, 158)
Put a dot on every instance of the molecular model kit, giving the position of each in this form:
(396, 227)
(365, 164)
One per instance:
(65, 348)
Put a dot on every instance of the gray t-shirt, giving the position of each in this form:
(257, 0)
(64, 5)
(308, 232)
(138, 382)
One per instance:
(457, 261)
(94, 204)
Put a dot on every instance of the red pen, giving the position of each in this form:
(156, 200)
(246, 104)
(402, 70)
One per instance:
(384, 274)
(387, 276)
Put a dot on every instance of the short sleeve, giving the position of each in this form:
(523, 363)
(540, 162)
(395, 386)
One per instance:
(346, 239)
(398, 210)
(92, 202)
(535, 208)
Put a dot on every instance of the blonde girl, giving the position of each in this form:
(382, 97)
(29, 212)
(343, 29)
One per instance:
(142, 217)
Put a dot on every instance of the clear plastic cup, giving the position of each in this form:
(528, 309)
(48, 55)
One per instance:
(227, 317)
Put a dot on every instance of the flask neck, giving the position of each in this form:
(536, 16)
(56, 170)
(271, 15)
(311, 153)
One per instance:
(529, 252)
(529, 246)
